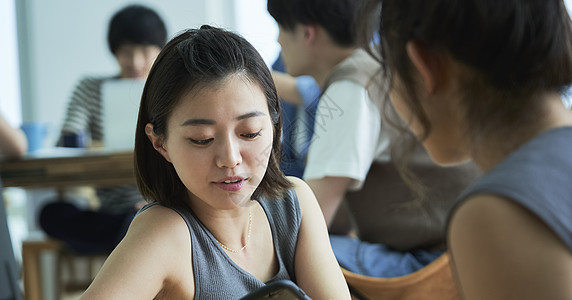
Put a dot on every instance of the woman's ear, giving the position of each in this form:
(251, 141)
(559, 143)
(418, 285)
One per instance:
(156, 141)
(426, 64)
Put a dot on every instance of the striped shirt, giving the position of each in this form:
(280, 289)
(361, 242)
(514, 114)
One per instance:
(84, 116)
(84, 110)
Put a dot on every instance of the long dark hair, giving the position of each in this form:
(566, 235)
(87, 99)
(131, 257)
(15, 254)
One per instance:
(192, 60)
(514, 49)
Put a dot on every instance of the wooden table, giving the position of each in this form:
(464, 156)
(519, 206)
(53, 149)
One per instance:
(60, 168)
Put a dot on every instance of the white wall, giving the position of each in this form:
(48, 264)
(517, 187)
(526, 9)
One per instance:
(260, 30)
(63, 40)
(9, 74)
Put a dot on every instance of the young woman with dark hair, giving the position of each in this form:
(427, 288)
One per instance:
(223, 220)
(482, 80)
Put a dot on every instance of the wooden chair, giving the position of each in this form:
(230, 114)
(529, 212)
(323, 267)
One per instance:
(434, 281)
(31, 251)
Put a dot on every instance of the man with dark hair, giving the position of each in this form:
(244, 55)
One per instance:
(351, 156)
(135, 25)
(136, 35)
(315, 41)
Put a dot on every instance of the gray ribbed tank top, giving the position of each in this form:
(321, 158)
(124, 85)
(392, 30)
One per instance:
(538, 176)
(216, 275)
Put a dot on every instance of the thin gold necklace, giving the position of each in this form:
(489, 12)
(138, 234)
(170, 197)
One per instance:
(247, 237)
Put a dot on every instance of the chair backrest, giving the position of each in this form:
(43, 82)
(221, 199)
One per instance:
(8, 267)
(433, 282)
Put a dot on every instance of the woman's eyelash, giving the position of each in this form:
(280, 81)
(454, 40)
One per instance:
(251, 135)
(201, 142)
(207, 141)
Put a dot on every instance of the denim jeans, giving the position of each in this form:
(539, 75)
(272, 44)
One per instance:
(377, 260)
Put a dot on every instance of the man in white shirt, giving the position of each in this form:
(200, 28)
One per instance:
(347, 133)
(318, 38)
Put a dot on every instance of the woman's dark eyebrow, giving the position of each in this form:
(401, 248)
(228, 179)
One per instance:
(197, 122)
(250, 115)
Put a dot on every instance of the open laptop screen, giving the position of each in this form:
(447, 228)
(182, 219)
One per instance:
(120, 107)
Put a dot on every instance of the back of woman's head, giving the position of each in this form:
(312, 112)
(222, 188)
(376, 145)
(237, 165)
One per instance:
(198, 59)
(511, 47)
(511, 42)
(136, 24)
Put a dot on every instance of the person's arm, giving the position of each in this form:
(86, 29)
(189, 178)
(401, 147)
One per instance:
(317, 270)
(287, 88)
(142, 266)
(12, 140)
(346, 136)
(81, 110)
(500, 250)
(330, 192)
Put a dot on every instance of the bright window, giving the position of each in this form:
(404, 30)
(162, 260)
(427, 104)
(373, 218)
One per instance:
(10, 102)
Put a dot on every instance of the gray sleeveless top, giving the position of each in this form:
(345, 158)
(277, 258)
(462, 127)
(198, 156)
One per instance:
(538, 176)
(216, 275)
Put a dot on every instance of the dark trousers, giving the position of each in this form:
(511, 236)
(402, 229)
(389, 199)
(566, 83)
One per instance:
(84, 231)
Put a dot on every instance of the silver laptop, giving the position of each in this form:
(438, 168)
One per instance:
(120, 107)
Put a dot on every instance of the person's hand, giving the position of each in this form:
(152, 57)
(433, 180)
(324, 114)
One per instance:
(13, 141)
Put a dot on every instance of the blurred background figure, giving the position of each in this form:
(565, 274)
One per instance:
(12, 140)
(381, 224)
(135, 37)
(12, 144)
(475, 80)
(299, 98)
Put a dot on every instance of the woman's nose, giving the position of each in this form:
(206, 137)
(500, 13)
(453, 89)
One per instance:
(228, 155)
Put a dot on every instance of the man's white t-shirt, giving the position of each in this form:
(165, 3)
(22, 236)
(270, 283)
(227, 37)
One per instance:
(348, 135)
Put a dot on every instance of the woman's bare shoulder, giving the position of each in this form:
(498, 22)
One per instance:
(299, 185)
(497, 245)
(156, 250)
(161, 223)
(303, 192)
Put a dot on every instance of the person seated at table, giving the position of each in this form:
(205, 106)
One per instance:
(135, 37)
(207, 152)
(298, 98)
(482, 80)
(350, 165)
(13, 142)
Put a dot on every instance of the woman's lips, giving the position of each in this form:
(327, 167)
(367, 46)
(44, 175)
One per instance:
(230, 185)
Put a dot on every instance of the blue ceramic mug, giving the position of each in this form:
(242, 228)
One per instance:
(36, 135)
